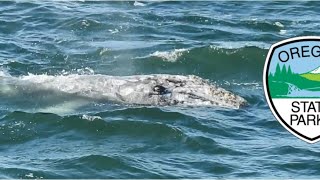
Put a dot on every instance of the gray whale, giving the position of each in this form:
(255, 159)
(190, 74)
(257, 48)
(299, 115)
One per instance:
(154, 89)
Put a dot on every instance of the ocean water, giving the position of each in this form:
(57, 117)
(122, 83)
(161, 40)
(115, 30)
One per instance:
(224, 42)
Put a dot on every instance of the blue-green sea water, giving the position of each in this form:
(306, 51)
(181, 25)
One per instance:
(224, 42)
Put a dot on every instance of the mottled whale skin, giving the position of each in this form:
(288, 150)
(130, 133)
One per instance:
(154, 89)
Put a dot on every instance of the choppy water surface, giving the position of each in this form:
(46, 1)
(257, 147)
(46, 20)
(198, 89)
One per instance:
(225, 42)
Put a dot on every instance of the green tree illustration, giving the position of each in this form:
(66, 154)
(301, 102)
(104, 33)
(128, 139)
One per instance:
(284, 70)
(289, 73)
(277, 73)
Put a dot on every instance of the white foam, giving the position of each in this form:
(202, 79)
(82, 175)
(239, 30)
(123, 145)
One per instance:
(30, 175)
(239, 44)
(113, 31)
(103, 51)
(170, 56)
(80, 71)
(85, 70)
(137, 3)
(253, 85)
(90, 118)
(282, 31)
(4, 73)
(279, 24)
(85, 23)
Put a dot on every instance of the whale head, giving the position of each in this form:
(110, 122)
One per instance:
(177, 90)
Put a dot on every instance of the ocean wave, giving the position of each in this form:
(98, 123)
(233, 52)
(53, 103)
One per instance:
(148, 113)
(19, 127)
(22, 127)
(210, 62)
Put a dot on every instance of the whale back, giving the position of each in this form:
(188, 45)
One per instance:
(154, 89)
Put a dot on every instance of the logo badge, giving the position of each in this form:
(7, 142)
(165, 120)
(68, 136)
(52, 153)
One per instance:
(292, 85)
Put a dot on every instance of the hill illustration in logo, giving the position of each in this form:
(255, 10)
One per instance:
(284, 83)
(313, 75)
